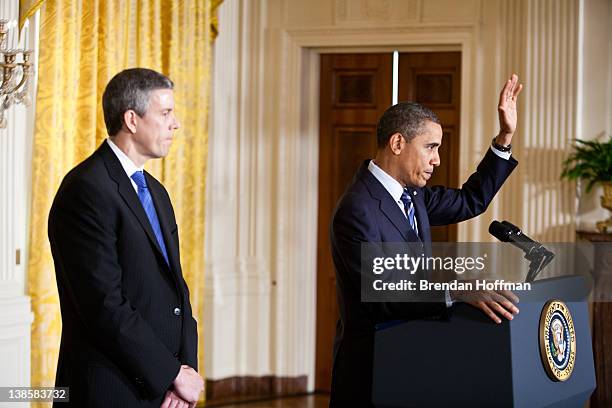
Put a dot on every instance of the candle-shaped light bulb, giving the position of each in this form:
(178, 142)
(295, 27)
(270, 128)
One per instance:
(11, 26)
(23, 35)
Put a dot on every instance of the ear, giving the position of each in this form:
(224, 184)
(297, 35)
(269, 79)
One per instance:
(396, 143)
(130, 118)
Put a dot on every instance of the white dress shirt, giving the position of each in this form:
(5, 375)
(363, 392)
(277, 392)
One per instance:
(128, 165)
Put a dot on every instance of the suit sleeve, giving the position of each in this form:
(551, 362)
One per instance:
(353, 226)
(448, 205)
(84, 243)
(189, 341)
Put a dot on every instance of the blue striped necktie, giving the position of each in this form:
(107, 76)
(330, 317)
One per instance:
(149, 207)
(409, 209)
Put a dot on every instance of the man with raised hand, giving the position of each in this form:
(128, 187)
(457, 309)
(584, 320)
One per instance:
(388, 202)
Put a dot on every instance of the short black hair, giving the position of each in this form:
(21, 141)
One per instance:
(130, 89)
(406, 118)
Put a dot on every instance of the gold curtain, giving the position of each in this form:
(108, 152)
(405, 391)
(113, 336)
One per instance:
(83, 43)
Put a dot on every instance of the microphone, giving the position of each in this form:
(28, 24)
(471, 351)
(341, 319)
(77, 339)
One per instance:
(535, 252)
(507, 232)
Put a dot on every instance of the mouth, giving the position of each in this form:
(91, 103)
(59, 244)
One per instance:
(429, 174)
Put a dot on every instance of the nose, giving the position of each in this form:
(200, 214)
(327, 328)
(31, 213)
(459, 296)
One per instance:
(435, 161)
(176, 124)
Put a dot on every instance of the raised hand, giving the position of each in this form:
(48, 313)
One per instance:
(188, 384)
(506, 110)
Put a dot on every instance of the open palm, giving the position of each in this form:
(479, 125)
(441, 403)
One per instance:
(507, 105)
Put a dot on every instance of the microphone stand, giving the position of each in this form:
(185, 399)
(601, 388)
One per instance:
(537, 261)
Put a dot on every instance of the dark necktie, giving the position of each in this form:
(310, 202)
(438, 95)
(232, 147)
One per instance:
(149, 207)
(409, 209)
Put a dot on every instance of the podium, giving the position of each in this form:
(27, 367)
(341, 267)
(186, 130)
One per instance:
(470, 361)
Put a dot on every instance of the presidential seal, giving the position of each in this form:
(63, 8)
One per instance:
(557, 340)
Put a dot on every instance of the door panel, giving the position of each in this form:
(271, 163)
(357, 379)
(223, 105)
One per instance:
(433, 79)
(354, 93)
(362, 144)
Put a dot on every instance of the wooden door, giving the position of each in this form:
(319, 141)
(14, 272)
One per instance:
(355, 91)
(433, 80)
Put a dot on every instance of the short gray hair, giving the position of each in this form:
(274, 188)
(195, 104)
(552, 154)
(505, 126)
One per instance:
(130, 90)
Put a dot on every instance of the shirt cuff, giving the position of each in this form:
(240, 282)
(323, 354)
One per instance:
(503, 155)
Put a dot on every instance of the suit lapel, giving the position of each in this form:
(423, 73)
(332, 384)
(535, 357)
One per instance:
(422, 218)
(394, 214)
(127, 192)
(164, 222)
(388, 206)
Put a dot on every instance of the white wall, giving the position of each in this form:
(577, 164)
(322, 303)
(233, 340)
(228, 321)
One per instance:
(596, 81)
(238, 302)
(15, 176)
(263, 166)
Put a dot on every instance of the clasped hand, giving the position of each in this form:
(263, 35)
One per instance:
(186, 389)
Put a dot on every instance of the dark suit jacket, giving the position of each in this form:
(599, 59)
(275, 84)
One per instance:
(367, 213)
(126, 316)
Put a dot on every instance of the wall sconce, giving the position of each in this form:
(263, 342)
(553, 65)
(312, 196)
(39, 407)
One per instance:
(16, 73)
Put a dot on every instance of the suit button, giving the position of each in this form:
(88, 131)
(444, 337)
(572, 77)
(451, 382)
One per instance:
(177, 311)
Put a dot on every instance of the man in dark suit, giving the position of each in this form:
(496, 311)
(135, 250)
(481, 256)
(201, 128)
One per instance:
(388, 202)
(128, 335)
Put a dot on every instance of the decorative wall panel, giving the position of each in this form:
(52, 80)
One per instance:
(354, 88)
(542, 36)
(370, 12)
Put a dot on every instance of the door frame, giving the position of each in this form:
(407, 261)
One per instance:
(297, 98)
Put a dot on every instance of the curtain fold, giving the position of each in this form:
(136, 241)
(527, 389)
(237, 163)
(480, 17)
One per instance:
(83, 43)
(27, 8)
